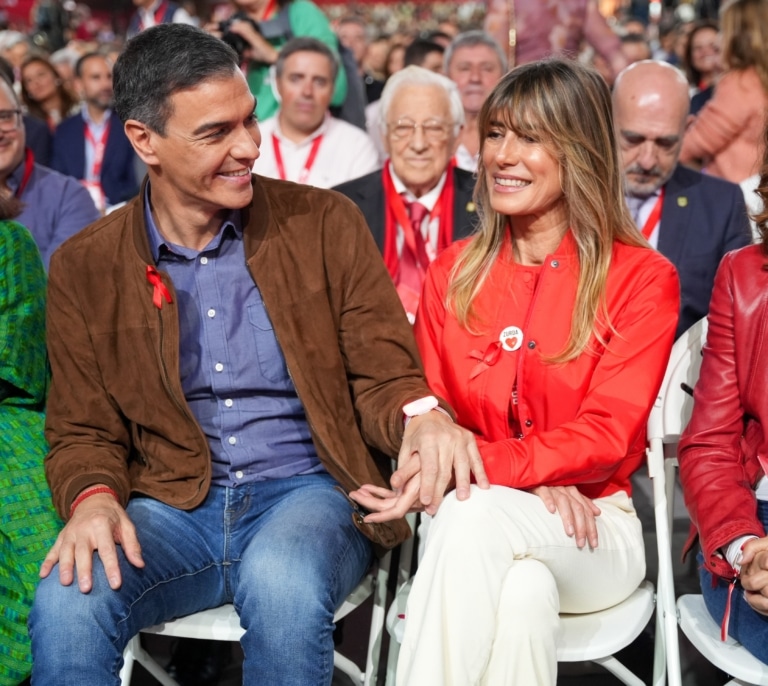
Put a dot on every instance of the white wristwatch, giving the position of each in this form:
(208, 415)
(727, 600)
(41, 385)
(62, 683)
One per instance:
(420, 406)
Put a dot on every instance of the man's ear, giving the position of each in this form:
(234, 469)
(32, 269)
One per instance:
(689, 120)
(143, 140)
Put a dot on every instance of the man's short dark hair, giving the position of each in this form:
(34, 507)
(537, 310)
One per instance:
(306, 44)
(161, 61)
(82, 60)
(416, 53)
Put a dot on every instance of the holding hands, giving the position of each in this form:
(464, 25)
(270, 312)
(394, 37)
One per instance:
(436, 453)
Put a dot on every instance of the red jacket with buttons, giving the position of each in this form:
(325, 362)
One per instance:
(582, 422)
(722, 448)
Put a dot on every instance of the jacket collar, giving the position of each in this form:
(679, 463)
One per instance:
(255, 224)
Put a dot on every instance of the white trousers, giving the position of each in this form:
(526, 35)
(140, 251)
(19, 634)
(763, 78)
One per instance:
(497, 571)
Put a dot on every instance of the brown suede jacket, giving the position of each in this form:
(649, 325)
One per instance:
(116, 410)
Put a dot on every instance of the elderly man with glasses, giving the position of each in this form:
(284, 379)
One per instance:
(420, 202)
(55, 206)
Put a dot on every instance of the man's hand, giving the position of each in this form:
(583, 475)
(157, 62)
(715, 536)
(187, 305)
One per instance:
(576, 510)
(386, 504)
(754, 574)
(440, 452)
(99, 522)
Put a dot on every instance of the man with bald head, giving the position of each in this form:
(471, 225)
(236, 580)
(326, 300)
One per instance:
(691, 218)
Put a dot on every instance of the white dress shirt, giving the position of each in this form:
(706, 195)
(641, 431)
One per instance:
(640, 209)
(345, 153)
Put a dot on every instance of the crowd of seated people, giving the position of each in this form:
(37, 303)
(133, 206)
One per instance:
(531, 190)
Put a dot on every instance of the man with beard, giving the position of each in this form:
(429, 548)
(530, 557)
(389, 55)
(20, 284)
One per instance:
(91, 145)
(691, 218)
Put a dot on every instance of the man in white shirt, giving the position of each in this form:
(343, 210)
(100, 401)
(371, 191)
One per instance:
(302, 142)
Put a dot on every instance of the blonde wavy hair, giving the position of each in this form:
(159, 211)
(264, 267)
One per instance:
(567, 107)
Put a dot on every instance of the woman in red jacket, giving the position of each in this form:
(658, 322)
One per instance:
(548, 332)
(724, 449)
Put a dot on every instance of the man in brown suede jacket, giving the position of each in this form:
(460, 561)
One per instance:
(230, 361)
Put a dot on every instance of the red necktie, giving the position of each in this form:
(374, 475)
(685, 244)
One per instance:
(413, 260)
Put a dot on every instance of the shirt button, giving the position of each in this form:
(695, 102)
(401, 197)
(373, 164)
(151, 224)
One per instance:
(239, 474)
(531, 344)
(229, 402)
(203, 260)
(232, 440)
(554, 264)
(211, 313)
(528, 422)
(218, 367)
(519, 436)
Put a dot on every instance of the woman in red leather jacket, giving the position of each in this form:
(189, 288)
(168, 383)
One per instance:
(548, 332)
(724, 449)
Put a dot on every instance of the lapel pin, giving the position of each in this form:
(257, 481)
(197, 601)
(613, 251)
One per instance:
(682, 201)
(470, 206)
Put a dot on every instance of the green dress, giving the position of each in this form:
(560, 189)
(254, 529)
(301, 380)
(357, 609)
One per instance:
(28, 523)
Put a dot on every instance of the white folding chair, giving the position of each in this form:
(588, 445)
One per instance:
(668, 418)
(593, 637)
(223, 624)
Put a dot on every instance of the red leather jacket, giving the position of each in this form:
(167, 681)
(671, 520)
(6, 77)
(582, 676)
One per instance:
(722, 448)
(582, 422)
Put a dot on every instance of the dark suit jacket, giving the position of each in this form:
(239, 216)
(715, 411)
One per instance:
(367, 193)
(118, 178)
(702, 219)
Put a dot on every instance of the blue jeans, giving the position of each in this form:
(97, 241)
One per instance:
(285, 552)
(748, 627)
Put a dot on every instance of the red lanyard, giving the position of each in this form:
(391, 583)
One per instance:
(98, 148)
(269, 9)
(159, 13)
(653, 217)
(29, 165)
(304, 175)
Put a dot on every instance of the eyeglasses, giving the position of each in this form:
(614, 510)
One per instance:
(404, 129)
(10, 120)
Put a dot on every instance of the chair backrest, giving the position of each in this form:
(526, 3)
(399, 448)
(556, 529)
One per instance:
(669, 415)
(674, 403)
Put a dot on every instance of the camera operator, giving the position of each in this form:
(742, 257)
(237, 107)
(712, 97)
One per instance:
(264, 26)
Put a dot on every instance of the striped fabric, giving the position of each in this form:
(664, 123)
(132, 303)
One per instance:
(28, 524)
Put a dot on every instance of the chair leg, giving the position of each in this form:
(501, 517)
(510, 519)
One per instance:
(141, 656)
(128, 657)
(619, 671)
(392, 655)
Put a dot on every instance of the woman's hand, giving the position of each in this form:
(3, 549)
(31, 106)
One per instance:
(754, 574)
(386, 504)
(576, 510)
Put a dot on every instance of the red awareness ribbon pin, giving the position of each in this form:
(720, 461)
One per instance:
(160, 289)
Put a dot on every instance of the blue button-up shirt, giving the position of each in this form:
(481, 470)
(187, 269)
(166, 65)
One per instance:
(233, 372)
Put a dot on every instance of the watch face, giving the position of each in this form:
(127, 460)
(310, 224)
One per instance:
(420, 406)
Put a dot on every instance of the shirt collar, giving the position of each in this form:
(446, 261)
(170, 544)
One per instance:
(88, 120)
(158, 245)
(319, 131)
(15, 177)
(429, 199)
